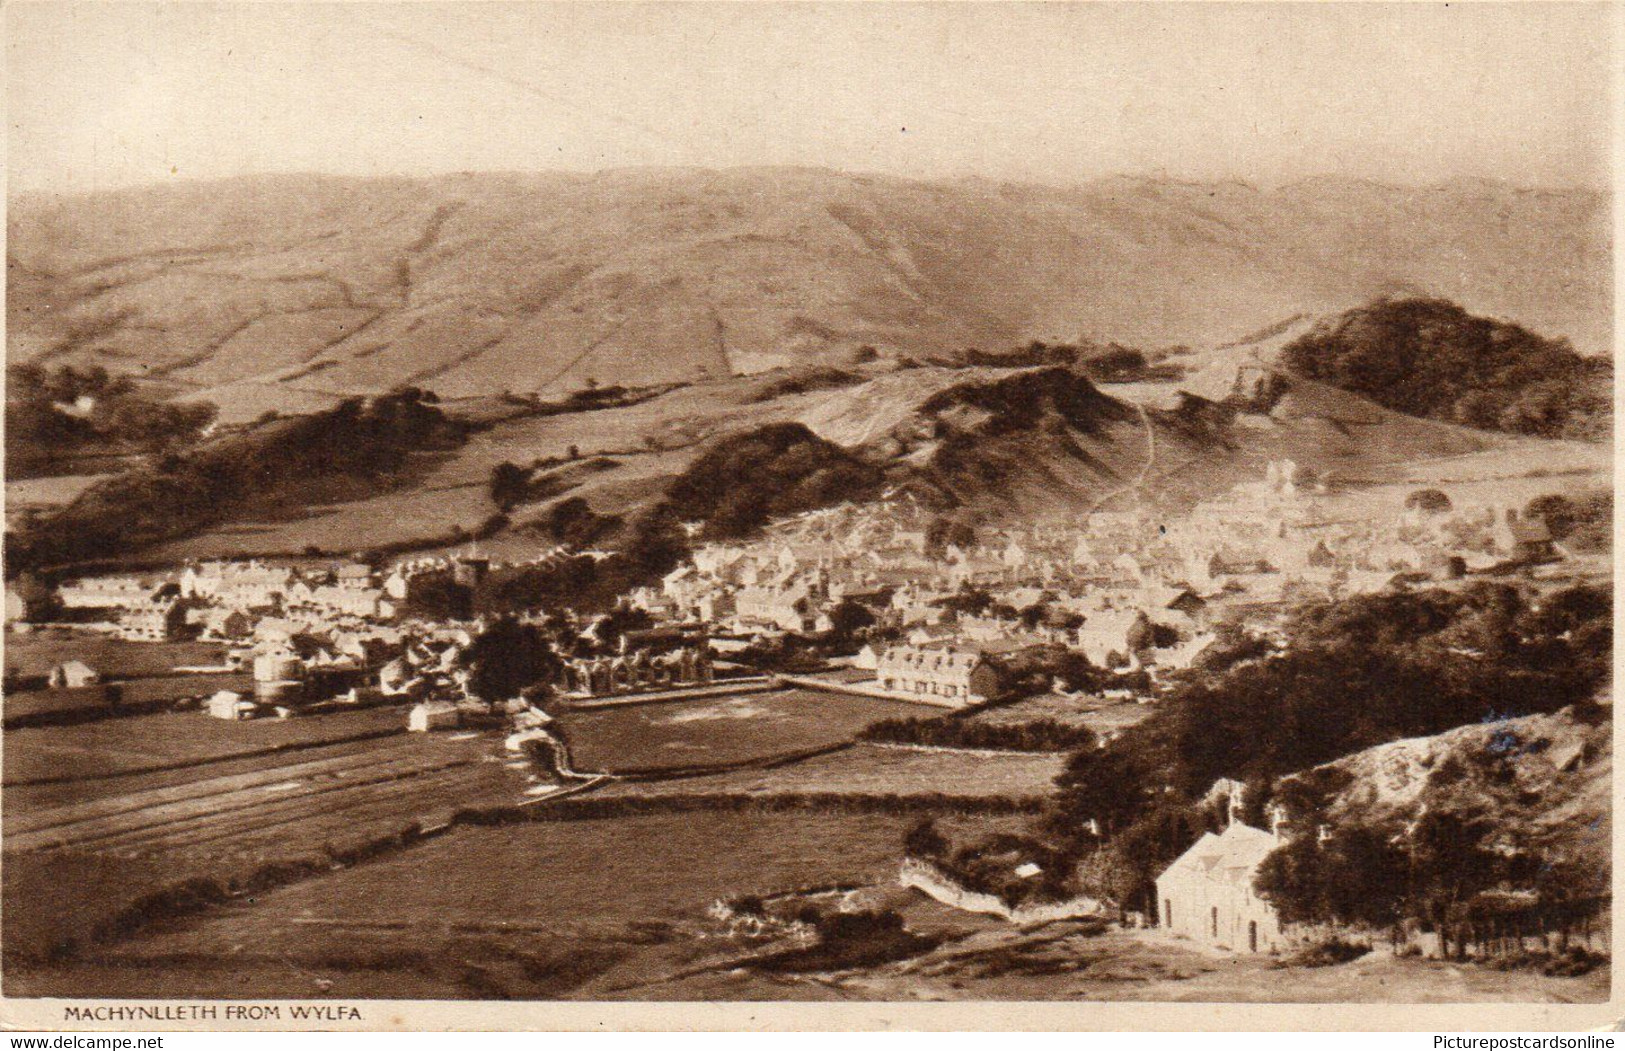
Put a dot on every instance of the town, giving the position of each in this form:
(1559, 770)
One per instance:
(1131, 591)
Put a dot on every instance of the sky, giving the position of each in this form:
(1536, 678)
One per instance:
(103, 95)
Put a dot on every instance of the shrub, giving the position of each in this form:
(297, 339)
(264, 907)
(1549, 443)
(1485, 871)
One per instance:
(1326, 953)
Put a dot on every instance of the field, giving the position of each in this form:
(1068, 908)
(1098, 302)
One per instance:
(36, 653)
(557, 903)
(125, 809)
(716, 731)
(608, 910)
(45, 493)
(108, 751)
(875, 770)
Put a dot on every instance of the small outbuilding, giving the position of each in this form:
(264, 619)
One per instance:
(73, 674)
(434, 715)
(229, 704)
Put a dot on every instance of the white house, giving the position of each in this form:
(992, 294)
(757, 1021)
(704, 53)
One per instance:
(229, 704)
(73, 674)
(956, 677)
(433, 715)
(1207, 894)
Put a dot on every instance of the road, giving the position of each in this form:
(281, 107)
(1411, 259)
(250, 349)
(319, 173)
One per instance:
(1145, 471)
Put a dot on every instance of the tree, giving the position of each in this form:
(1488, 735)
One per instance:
(847, 618)
(508, 658)
(1433, 501)
(508, 482)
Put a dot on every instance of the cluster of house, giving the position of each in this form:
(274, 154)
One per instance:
(637, 669)
(1131, 589)
(223, 599)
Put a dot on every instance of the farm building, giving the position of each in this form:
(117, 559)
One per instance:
(229, 704)
(434, 715)
(73, 674)
(1207, 894)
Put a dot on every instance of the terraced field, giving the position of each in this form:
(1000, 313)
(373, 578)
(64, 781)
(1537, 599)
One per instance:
(80, 855)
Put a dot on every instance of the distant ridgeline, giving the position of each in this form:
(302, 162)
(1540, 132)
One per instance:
(1430, 358)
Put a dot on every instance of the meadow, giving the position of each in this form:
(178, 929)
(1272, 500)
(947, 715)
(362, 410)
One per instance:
(555, 904)
(874, 770)
(117, 747)
(37, 652)
(716, 731)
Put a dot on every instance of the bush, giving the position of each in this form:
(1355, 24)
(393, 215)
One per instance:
(1434, 501)
(1327, 953)
(1042, 735)
(1571, 963)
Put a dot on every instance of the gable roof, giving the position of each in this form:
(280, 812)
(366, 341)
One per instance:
(1230, 857)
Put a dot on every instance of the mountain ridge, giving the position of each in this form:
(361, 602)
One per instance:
(288, 292)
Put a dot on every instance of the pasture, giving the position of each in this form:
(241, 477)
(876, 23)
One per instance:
(109, 750)
(874, 770)
(37, 652)
(714, 731)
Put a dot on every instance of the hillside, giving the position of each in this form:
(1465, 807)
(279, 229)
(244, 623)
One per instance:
(991, 444)
(1430, 358)
(1508, 823)
(288, 292)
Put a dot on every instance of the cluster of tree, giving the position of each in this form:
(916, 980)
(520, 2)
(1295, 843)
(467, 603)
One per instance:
(510, 659)
(51, 413)
(1432, 501)
(988, 864)
(848, 940)
(1037, 669)
(1037, 352)
(357, 444)
(949, 528)
(974, 601)
(574, 524)
(779, 383)
(780, 469)
(1101, 362)
(1583, 521)
(1430, 358)
(1457, 862)
(1024, 400)
(1040, 735)
(1358, 673)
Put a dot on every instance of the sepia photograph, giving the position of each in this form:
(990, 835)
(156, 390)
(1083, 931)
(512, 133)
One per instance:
(833, 504)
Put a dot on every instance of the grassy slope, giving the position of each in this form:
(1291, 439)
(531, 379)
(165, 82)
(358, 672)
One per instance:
(1030, 471)
(282, 291)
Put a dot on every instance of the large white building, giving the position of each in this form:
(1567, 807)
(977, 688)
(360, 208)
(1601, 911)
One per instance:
(938, 675)
(1207, 894)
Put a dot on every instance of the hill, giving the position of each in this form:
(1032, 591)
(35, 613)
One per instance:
(289, 292)
(1485, 831)
(1430, 358)
(986, 444)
